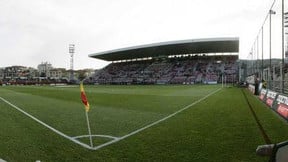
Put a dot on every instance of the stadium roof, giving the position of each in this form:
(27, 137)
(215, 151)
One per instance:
(192, 46)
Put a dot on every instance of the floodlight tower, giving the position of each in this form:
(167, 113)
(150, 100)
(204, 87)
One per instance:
(286, 34)
(71, 52)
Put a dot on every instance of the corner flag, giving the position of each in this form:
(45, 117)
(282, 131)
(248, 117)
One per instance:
(84, 98)
(87, 107)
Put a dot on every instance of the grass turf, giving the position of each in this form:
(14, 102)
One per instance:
(217, 129)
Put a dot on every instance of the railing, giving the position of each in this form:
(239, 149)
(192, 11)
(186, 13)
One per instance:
(277, 86)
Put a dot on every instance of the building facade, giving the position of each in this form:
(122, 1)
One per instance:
(44, 69)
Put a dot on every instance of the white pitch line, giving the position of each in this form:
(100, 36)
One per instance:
(115, 139)
(1, 160)
(96, 135)
(154, 123)
(46, 125)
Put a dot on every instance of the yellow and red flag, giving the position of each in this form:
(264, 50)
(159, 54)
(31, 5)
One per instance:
(84, 97)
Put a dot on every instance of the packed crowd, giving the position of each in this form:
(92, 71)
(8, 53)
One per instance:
(169, 71)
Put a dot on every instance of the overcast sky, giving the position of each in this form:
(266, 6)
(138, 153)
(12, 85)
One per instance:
(35, 31)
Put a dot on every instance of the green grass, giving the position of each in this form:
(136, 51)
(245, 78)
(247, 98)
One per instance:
(220, 128)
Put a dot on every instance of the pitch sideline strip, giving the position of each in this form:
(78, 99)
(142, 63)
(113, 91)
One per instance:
(115, 139)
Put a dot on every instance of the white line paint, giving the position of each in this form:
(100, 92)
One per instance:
(97, 135)
(46, 125)
(156, 122)
(1, 160)
(115, 139)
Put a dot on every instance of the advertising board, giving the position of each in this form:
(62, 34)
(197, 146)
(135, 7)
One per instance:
(262, 95)
(270, 98)
(282, 106)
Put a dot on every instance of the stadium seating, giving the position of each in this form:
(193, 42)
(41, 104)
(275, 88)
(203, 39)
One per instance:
(185, 70)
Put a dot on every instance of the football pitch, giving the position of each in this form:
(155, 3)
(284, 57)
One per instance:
(134, 123)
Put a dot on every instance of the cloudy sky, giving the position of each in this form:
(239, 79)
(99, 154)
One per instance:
(35, 31)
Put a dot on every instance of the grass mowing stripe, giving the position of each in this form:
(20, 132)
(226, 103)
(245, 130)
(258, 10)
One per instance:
(220, 128)
(73, 139)
(156, 122)
(46, 125)
(265, 136)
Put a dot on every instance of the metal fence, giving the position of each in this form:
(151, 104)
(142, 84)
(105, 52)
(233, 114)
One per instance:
(268, 57)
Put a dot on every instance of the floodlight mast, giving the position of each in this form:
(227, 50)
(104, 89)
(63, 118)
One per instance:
(271, 12)
(71, 52)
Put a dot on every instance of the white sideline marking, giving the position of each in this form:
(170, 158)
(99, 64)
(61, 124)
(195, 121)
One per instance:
(46, 125)
(115, 139)
(1, 160)
(156, 122)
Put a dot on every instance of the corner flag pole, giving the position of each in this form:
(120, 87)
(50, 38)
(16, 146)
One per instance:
(89, 130)
(87, 107)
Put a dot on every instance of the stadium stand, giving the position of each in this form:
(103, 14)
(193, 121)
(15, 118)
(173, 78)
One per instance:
(206, 61)
(183, 70)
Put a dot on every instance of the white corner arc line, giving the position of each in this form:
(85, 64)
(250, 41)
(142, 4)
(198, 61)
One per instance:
(115, 139)
(97, 135)
(156, 122)
(46, 125)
